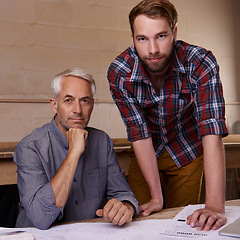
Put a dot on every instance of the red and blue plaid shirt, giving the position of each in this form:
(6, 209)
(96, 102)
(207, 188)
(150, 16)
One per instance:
(189, 105)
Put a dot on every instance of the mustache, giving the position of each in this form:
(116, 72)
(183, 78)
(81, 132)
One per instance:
(153, 56)
(77, 116)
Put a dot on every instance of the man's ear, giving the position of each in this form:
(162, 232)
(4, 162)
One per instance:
(53, 105)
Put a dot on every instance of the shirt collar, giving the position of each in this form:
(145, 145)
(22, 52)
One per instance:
(177, 63)
(138, 72)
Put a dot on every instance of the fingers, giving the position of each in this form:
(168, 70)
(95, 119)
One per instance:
(116, 212)
(146, 209)
(77, 139)
(153, 206)
(99, 212)
(205, 219)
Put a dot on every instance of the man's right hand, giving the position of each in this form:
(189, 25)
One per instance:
(62, 181)
(154, 205)
(77, 140)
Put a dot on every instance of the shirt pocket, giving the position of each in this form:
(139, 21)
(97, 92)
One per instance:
(185, 100)
(94, 183)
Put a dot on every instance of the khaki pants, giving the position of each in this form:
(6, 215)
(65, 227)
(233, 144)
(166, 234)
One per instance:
(181, 186)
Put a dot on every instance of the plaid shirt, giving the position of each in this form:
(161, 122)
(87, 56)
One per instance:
(189, 105)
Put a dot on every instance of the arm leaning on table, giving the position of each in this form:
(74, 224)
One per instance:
(213, 215)
(147, 161)
(37, 198)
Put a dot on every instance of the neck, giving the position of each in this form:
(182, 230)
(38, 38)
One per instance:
(157, 80)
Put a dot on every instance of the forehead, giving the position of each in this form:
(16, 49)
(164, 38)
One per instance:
(144, 24)
(75, 86)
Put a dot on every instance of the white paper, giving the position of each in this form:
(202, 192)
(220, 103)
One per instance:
(178, 226)
(137, 230)
(163, 229)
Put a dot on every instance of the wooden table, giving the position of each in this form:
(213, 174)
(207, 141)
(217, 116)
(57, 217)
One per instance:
(122, 146)
(165, 213)
(8, 168)
(232, 150)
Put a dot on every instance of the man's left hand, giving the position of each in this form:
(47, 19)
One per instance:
(117, 212)
(206, 219)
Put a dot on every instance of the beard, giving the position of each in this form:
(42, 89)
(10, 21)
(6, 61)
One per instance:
(159, 66)
(66, 122)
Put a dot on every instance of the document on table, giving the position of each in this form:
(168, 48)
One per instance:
(178, 226)
(137, 230)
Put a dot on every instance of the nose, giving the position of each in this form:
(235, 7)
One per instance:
(153, 47)
(77, 107)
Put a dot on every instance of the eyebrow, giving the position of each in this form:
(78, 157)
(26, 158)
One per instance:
(160, 33)
(70, 96)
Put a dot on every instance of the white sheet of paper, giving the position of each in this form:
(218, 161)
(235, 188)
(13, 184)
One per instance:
(178, 226)
(163, 229)
(137, 230)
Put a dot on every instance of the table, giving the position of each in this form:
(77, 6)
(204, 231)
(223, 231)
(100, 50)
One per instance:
(122, 148)
(232, 150)
(164, 214)
(8, 168)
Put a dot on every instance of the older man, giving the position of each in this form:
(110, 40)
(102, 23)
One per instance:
(66, 169)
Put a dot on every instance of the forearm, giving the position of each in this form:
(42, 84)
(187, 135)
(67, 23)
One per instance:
(147, 161)
(214, 170)
(61, 183)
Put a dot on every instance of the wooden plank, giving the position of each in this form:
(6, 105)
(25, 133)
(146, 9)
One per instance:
(8, 172)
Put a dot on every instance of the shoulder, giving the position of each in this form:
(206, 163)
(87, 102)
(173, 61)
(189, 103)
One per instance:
(124, 63)
(194, 54)
(97, 133)
(37, 135)
(98, 138)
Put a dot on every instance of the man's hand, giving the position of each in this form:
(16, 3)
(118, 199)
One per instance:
(117, 212)
(77, 139)
(154, 205)
(206, 219)
(62, 181)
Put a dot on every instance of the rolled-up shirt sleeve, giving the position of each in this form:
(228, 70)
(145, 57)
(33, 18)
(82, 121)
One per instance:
(117, 186)
(210, 102)
(131, 111)
(36, 194)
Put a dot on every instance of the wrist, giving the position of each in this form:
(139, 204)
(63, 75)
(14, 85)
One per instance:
(217, 207)
(130, 207)
(74, 153)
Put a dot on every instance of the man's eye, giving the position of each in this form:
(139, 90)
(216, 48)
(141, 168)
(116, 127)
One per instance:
(161, 36)
(85, 101)
(68, 100)
(142, 39)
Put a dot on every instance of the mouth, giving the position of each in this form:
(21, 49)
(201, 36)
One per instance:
(77, 119)
(154, 59)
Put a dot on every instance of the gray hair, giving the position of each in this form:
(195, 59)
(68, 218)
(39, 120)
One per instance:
(76, 72)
